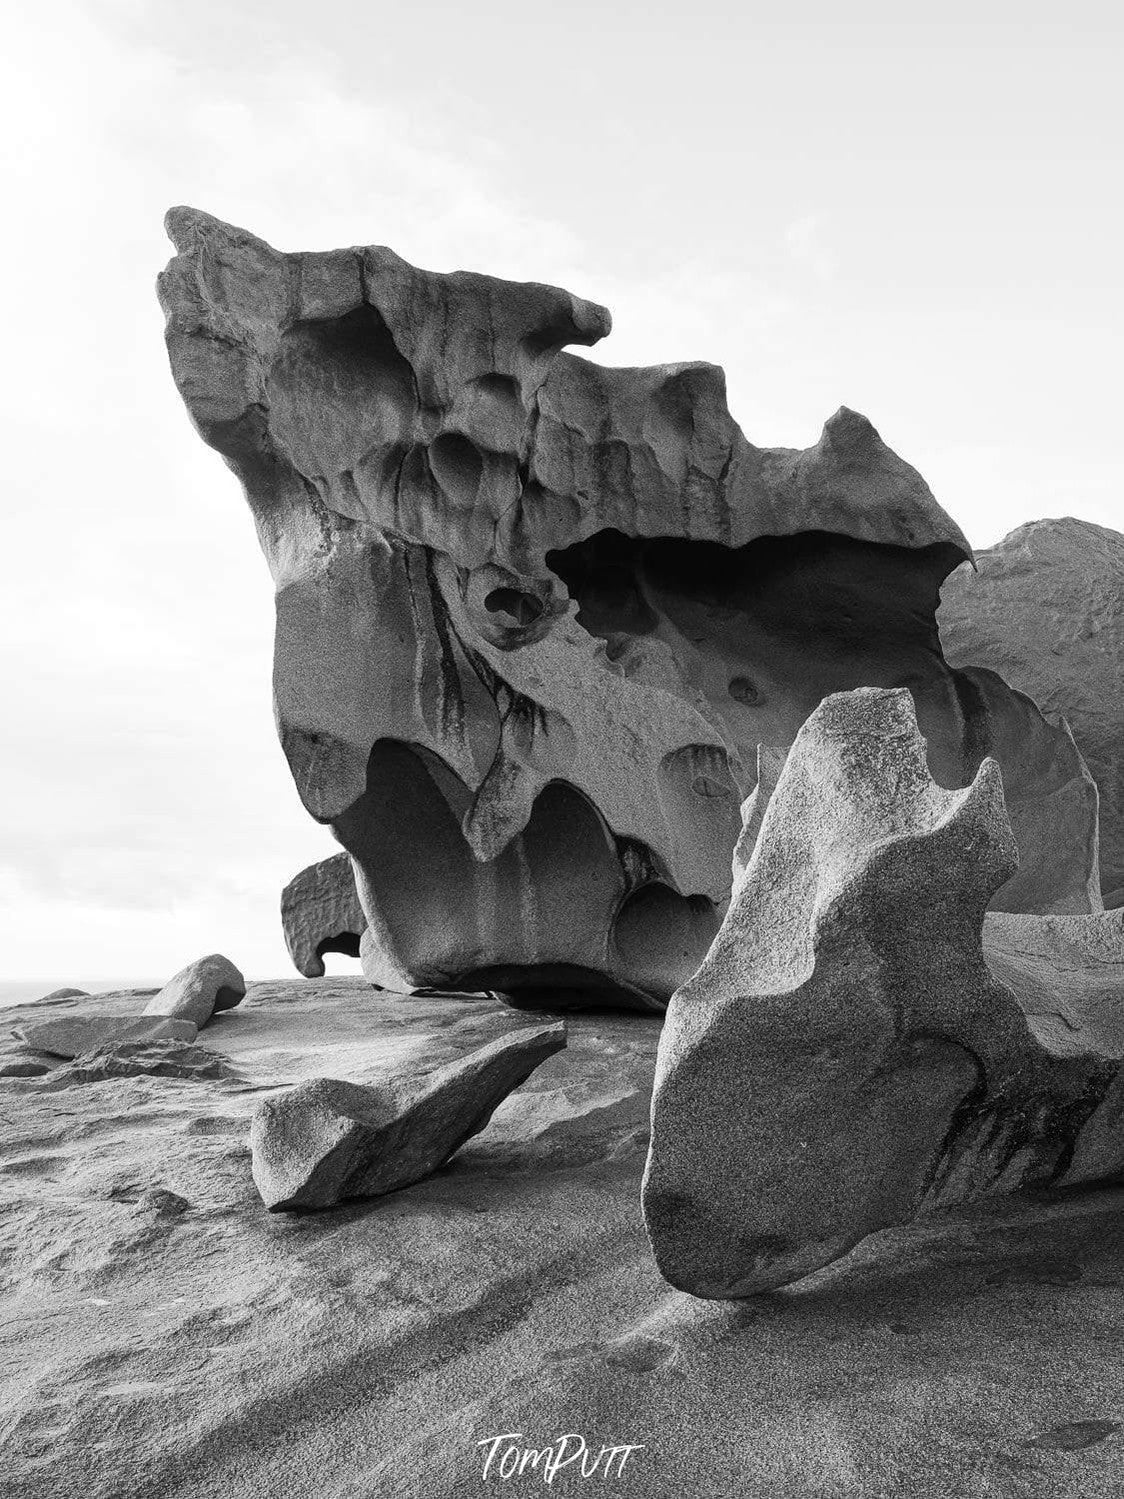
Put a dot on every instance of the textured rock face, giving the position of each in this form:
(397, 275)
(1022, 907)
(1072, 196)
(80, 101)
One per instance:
(153, 1058)
(70, 1036)
(327, 1140)
(1046, 611)
(320, 912)
(535, 616)
(1068, 975)
(197, 991)
(844, 1058)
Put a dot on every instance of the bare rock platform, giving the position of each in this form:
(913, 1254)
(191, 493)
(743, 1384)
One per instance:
(163, 1334)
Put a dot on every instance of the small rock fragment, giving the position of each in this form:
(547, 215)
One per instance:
(327, 1140)
(197, 991)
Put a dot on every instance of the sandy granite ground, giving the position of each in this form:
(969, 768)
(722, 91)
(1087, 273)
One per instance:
(162, 1335)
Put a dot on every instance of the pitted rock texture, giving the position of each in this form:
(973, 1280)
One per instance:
(320, 913)
(535, 615)
(328, 1140)
(1046, 611)
(844, 1059)
(200, 989)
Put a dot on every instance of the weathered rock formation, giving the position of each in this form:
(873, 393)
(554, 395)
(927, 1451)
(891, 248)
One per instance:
(535, 615)
(320, 912)
(844, 1059)
(1046, 611)
(327, 1140)
(197, 991)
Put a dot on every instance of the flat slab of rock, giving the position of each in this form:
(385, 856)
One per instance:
(72, 1035)
(328, 1140)
(148, 1058)
(844, 1059)
(196, 992)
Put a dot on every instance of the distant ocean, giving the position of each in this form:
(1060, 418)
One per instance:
(19, 991)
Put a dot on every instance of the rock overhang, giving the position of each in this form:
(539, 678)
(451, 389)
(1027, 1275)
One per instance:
(421, 454)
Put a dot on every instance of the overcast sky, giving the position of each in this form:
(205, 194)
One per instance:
(919, 218)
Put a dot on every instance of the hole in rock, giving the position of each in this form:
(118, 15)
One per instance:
(457, 465)
(814, 583)
(535, 920)
(742, 690)
(661, 937)
(523, 607)
(344, 943)
(774, 626)
(349, 370)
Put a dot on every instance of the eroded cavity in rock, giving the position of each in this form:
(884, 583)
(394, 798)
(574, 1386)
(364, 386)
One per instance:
(535, 616)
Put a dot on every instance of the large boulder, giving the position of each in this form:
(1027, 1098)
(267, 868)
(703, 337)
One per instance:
(327, 1140)
(320, 913)
(196, 992)
(535, 615)
(1046, 611)
(844, 1059)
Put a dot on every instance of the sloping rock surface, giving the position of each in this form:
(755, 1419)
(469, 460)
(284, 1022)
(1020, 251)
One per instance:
(166, 1338)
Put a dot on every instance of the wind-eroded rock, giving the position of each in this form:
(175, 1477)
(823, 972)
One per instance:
(320, 912)
(327, 1140)
(535, 615)
(197, 991)
(844, 1058)
(1046, 611)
